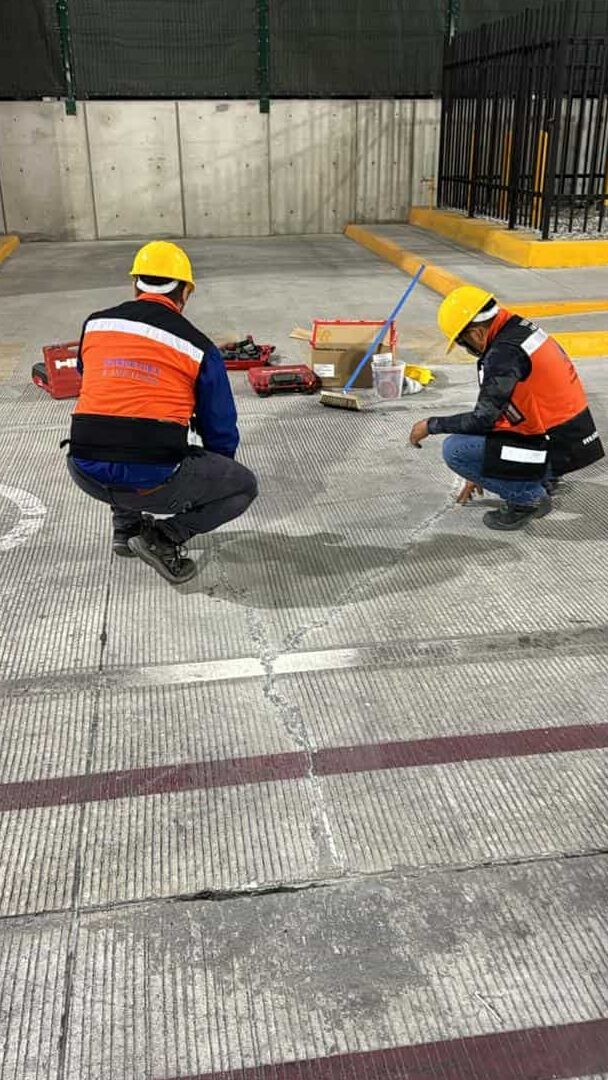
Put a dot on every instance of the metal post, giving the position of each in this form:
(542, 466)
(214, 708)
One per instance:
(263, 56)
(479, 111)
(67, 59)
(554, 114)
(519, 116)
(452, 18)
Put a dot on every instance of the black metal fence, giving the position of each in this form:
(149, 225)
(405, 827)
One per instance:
(525, 120)
(230, 48)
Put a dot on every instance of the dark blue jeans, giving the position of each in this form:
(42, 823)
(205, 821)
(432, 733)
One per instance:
(463, 454)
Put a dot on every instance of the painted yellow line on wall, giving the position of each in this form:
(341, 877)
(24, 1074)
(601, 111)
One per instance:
(520, 248)
(8, 245)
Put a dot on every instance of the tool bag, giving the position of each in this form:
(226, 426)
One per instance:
(242, 355)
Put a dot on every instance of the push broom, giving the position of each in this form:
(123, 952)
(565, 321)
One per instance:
(343, 399)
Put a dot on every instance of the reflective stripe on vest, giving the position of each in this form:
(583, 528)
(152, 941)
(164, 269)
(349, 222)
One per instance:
(137, 370)
(552, 394)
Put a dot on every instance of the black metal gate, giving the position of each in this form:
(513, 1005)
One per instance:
(525, 120)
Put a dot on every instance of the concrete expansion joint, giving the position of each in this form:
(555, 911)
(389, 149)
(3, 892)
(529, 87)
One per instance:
(398, 873)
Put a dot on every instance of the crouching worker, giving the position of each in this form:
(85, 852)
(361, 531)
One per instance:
(146, 374)
(531, 423)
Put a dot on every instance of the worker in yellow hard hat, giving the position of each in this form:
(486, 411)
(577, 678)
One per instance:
(531, 423)
(148, 376)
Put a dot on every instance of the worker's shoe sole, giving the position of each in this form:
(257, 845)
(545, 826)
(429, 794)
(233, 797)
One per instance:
(163, 557)
(510, 518)
(120, 547)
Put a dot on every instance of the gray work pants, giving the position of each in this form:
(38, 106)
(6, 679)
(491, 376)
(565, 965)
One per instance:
(206, 491)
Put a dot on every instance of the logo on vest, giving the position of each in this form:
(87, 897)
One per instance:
(591, 438)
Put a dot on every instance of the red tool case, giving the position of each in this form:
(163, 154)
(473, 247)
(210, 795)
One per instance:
(293, 378)
(58, 374)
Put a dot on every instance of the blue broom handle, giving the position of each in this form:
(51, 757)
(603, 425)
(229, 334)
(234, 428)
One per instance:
(380, 335)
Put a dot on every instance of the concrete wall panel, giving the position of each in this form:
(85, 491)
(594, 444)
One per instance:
(136, 168)
(312, 165)
(425, 151)
(144, 169)
(224, 149)
(384, 160)
(44, 171)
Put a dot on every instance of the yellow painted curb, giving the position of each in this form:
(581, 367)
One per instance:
(542, 309)
(7, 246)
(442, 282)
(519, 248)
(434, 277)
(582, 343)
(577, 343)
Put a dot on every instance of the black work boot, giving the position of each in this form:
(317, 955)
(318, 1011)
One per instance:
(162, 554)
(510, 517)
(120, 540)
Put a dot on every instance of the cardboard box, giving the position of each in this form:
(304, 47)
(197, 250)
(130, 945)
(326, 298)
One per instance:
(335, 366)
(336, 346)
(344, 333)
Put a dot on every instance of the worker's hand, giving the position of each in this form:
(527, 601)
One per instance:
(468, 493)
(419, 432)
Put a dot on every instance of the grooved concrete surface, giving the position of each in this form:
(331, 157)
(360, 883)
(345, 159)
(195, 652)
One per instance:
(362, 757)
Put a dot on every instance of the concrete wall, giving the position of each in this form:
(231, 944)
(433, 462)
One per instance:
(210, 168)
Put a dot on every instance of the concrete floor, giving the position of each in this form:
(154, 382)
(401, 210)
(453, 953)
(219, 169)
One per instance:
(341, 802)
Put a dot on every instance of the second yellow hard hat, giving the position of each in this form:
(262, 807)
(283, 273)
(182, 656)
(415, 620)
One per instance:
(459, 308)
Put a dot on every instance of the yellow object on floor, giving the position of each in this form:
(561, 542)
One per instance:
(422, 375)
(8, 244)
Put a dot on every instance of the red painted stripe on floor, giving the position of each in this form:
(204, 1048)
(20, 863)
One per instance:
(550, 1053)
(232, 772)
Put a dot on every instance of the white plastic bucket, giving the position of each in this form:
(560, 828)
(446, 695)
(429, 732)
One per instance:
(388, 380)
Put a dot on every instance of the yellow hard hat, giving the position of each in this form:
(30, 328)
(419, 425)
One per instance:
(459, 309)
(160, 258)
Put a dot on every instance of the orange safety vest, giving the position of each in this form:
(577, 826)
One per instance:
(551, 401)
(552, 394)
(141, 361)
(138, 370)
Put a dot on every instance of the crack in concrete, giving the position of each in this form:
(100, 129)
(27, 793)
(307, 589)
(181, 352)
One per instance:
(75, 907)
(290, 716)
(358, 589)
(248, 892)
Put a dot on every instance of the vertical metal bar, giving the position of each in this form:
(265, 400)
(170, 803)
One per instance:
(597, 172)
(445, 123)
(481, 71)
(566, 125)
(452, 18)
(263, 56)
(555, 57)
(579, 131)
(67, 58)
(603, 202)
(518, 125)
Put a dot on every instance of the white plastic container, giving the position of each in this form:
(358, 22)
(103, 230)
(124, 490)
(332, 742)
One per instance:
(388, 380)
(382, 359)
